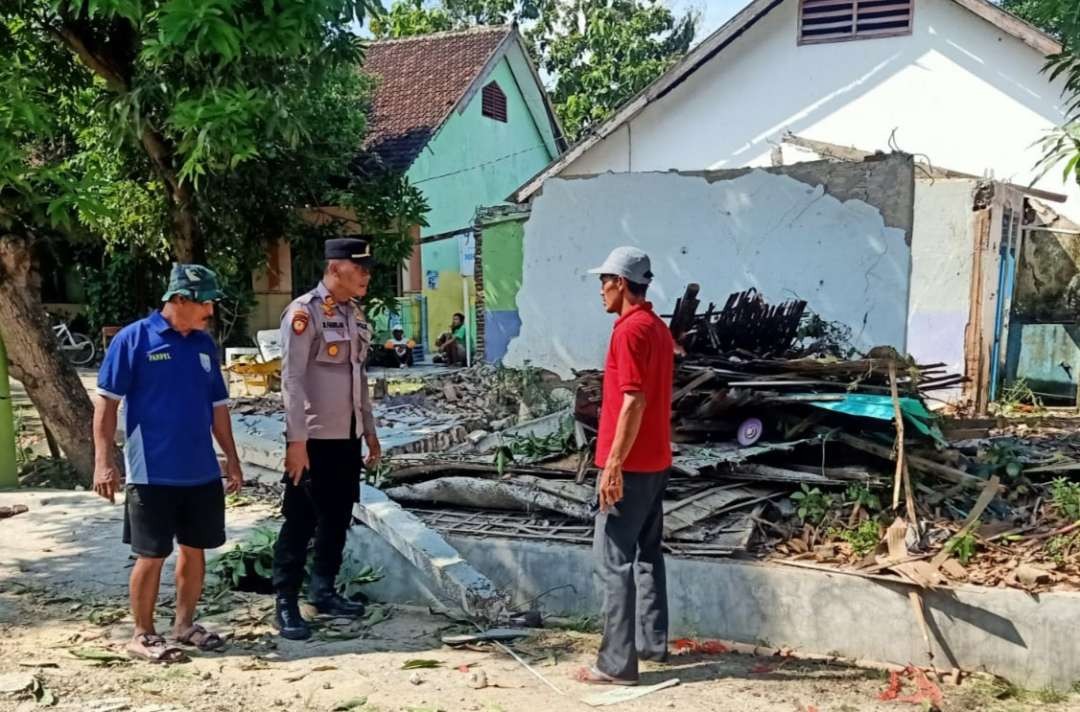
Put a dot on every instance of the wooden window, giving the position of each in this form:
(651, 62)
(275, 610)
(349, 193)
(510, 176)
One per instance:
(493, 102)
(839, 20)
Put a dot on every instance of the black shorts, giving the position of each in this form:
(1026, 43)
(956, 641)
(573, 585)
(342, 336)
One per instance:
(156, 514)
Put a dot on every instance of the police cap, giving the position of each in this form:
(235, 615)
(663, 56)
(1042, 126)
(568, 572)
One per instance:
(349, 248)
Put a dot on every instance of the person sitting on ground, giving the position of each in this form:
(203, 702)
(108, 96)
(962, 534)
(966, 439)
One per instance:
(451, 344)
(398, 351)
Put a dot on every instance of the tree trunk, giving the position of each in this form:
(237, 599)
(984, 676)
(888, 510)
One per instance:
(51, 382)
(187, 243)
(187, 240)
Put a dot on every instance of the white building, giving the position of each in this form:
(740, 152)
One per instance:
(957, 81)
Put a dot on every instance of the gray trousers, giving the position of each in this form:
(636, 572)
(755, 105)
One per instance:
(630, 566)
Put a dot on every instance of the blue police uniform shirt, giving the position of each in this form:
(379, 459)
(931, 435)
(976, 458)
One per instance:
(170, 385)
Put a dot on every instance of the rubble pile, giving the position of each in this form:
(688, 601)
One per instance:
(787, 446)
(493, 398)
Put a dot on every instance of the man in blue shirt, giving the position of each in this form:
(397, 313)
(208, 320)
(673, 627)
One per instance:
(165, 370)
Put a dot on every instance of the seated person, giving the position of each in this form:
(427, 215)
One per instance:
(398, 351)
(451, 344)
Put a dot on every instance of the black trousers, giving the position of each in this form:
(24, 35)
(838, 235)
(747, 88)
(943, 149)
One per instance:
(320, 506)
(630, 566)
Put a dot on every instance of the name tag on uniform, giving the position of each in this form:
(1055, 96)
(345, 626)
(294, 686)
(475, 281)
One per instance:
(333, 336)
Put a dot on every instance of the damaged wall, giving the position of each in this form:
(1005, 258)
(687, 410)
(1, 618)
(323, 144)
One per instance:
(1048, 282)
(941, 262)
(945, 90)
(729, 230)
(503, 232)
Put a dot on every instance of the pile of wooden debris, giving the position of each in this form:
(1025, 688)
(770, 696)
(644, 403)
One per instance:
(787, 447)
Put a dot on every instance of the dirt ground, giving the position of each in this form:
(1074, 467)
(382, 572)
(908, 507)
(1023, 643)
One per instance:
(43, 633)
(62, 609)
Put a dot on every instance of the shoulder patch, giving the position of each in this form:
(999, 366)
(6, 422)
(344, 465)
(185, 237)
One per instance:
(300, 319)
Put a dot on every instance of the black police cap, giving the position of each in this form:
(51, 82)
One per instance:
(348, 248)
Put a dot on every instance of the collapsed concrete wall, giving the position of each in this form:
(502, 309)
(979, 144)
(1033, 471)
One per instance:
(834, 234)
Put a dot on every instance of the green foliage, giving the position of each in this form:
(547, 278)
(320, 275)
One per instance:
(1060, 18)
(603, 52)
(350, 581)
(812, 505)
(191, 124)
(1047, 16)
(863, 539)
(408, 18)
(1065, 496)
(1060, 548)
(252, 555)
(255, 555)
(598, 53)
(1004, 457)
(1016, 396)
(860, 493)
(120, 286)
(558, 443)
(963, 547)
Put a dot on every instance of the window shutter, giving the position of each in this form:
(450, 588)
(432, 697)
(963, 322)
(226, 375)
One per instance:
(493, 102)
(836, 20)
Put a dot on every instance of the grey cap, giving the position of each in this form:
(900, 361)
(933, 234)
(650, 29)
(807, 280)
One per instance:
(628, 262)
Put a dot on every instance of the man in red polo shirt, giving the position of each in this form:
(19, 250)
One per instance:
(634, 450)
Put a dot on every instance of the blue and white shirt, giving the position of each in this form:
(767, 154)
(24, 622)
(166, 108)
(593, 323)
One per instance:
(170, 385)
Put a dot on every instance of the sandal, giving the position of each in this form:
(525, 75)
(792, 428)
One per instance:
(201, 638)
(153, 648)
(593, 676)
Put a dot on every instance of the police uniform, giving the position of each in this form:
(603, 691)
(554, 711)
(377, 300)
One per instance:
(324, 382)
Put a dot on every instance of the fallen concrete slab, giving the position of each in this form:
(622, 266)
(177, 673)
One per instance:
(260, 439)
(522, 493)
(1030, 640)
(456, 582)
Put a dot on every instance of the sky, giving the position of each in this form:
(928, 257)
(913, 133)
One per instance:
(713, 13)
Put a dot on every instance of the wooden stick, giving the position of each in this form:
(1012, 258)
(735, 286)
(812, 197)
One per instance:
(899, 415)
(919, 463)
(920, 616)
(985, 497)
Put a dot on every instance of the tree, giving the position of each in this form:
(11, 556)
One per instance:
(597, 53)
(603, 52)
(1060, 18)
(1048, 17)
(408, 18)
(180, 128)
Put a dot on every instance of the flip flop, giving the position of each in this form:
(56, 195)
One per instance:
(592, 676)
(153, 648)
(201, 638)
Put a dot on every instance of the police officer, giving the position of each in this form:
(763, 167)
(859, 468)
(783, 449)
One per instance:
(325, 342)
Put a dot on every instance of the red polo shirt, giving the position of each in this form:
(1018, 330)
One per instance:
(641, 357)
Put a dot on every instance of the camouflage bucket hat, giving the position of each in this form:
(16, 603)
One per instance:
(194, 282)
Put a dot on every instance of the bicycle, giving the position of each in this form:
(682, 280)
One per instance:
(77, 348)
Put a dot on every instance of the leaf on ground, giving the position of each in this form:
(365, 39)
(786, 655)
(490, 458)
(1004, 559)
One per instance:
(106, 616)
(323, 668)
(376, 616)
(99, 655)
(421, 664)
(350, 704)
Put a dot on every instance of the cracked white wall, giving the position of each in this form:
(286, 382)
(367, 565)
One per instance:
(940, 299)
(784, 237)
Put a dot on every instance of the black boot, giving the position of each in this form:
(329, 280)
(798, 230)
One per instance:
(289, 621)
(326, 600)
